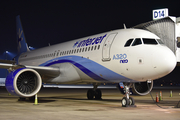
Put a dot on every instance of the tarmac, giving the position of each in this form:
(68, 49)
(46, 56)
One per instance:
(72, 104)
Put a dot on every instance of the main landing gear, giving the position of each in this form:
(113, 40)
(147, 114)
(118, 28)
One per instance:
(127, 101)
(94, 93)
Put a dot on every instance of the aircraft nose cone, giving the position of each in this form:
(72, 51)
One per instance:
(164, 61)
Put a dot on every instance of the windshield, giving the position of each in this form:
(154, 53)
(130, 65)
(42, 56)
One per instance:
(150, 41)
(137, 41)
(140, 41)
(128, 43)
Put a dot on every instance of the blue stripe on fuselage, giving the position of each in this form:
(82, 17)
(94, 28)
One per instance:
(89, 67)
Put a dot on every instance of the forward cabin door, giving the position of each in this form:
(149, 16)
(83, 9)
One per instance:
(107, 47)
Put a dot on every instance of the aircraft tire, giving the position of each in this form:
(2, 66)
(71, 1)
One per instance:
(90, 94)
(124, 102)
(98, 94)
(131, 101)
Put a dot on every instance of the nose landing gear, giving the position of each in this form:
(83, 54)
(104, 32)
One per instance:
(127, 101)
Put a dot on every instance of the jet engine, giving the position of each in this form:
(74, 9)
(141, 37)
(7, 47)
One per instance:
(23, 82)
(140, 88)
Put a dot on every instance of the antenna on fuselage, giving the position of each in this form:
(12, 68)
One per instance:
(124, 26)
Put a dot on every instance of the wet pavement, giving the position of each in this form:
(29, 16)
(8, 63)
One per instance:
(68, 104)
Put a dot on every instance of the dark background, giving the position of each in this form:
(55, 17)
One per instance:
(54, 22)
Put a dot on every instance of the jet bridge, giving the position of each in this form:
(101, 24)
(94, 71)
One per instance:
(168, 29)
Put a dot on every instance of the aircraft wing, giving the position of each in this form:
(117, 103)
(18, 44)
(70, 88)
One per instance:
(42, 70)
(46, 71)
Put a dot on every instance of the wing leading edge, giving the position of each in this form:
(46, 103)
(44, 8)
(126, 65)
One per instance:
(43, 71)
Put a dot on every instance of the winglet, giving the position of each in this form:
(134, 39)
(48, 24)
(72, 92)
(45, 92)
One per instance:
(22, 45)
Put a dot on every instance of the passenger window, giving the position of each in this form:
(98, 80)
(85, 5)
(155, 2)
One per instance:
(86, 49)
(75, 51)
(149, 41)
(91, 48)
(137, 41)
(57, 53)
(95, 47)
(128, 43)
(98, 47)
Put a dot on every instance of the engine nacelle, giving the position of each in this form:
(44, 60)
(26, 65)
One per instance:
(23, 82)
(140, 88)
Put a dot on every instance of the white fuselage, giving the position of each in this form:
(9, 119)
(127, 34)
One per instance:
(105, 58)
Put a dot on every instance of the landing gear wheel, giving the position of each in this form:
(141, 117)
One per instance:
(90, 94)
(125, 102)
(98, 94)
(131, 101)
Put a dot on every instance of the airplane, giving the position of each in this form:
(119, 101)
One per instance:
(132, 58)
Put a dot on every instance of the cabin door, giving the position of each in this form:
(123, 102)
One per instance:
(107, 47)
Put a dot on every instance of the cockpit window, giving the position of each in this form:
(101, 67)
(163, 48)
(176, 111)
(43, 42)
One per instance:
(160, 41)
(149, 41)
(128, 43)
(137, 41)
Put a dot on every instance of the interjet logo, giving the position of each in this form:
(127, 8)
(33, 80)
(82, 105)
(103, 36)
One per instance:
(20, 38)
(75, 44)
(89, 41)
(19, 35)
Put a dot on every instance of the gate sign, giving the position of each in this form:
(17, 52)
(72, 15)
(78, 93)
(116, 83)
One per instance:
(160, 13)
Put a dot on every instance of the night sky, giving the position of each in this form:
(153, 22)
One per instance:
(63, 20)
